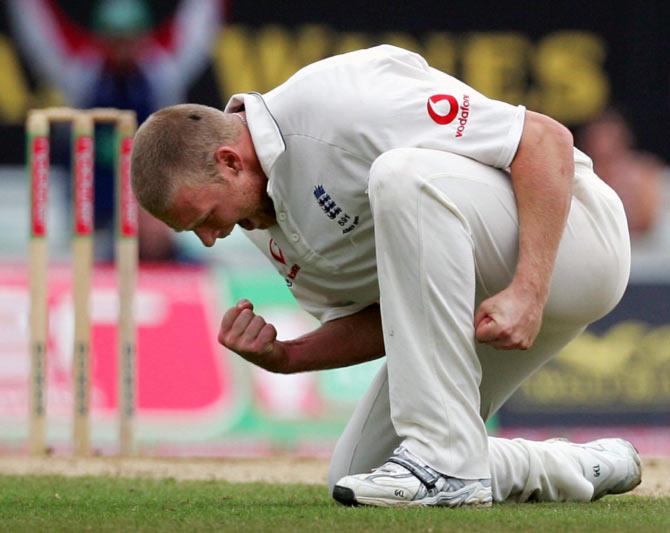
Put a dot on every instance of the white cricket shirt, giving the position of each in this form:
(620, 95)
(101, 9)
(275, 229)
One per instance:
(316, 137)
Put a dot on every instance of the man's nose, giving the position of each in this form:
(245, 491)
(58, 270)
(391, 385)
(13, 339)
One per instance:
(206, 236)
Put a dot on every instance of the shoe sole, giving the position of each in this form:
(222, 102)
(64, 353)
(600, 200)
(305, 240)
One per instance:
(346, 496)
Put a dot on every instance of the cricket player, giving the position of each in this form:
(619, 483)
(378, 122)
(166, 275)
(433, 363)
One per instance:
(463, 238)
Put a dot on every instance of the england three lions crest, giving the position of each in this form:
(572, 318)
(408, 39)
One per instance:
(333, 211)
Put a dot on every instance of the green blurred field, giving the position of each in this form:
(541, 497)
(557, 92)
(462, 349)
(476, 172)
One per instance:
(55, 503)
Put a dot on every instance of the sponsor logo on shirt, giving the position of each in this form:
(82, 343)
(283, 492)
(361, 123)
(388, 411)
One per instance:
(292, 274)
(333, 211)
(444, 108)
(278, 255)
(463, 117)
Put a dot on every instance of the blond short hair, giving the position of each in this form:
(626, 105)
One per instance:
(175, 146)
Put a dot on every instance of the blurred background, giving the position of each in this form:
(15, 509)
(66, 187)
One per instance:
(602, 69)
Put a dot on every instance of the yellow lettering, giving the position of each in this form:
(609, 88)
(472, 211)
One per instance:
(440, 52)
(403, 40)
(605, 355)
(664, 385)
(654, 348)
(637, 385)
(280, 55)
(314, 43)
(495, 64)
(569, 70)
(624, 365)
(234, 62)
(348, 42)
(14, 93)
(248, 60)
(566, 68)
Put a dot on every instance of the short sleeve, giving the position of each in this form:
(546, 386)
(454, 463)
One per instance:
(375, 100)
(422, 107)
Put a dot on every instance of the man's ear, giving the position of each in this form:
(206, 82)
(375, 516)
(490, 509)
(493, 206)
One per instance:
(228, 158)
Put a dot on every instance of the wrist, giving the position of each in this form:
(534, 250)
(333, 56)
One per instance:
(531, 287)
(283, 361)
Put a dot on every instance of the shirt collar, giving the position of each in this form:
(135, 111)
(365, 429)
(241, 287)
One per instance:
(265, 133)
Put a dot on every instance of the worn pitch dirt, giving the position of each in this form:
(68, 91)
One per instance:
(281, 469)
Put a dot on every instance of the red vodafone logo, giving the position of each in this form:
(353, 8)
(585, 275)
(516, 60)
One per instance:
(275, 252)
(442, 108)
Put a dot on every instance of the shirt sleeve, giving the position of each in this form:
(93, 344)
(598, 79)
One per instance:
(419, 106)
(375, 100)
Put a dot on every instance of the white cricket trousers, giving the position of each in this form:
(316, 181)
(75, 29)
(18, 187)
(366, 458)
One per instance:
(446, 235)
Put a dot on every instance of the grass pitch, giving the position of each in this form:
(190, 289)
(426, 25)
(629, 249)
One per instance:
(54, 503)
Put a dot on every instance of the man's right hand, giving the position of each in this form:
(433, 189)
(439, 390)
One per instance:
(248, 335)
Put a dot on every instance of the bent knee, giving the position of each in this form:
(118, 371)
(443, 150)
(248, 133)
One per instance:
(396, 175)
(391, 177)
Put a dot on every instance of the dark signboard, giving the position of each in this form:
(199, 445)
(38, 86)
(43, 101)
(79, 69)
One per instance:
(617, 372)
(568, 59)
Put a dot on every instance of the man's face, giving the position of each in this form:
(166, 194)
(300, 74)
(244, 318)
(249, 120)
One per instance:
(212, 210)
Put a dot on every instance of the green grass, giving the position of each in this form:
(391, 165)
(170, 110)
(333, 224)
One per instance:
(32, 503)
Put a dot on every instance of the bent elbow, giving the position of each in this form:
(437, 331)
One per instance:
(548, 132)
(544, 138)
(562, 136)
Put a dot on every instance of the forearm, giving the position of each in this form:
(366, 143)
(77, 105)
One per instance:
(343, 342)
(542, 174)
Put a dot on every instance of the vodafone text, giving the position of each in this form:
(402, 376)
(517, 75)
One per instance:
(463, 118)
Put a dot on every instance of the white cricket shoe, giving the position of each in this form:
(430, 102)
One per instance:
(404, 480)
(611, 465)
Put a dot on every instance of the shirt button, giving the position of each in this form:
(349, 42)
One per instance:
(295, 237)
(281, 216)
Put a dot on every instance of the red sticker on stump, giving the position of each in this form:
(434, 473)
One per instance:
(127, 202)
(39, 172)
(83, 186)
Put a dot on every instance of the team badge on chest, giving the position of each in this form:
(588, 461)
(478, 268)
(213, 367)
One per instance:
(333, 211)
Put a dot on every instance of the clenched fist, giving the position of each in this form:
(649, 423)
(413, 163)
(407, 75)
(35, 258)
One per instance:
(509, 320)
(248, 335)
